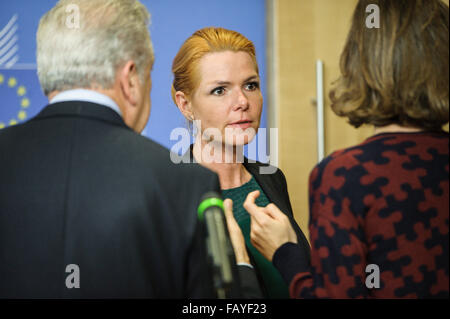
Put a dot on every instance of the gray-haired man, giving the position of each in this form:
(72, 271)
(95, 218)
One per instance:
(88, 207)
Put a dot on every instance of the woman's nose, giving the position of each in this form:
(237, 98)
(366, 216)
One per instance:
(241, 101)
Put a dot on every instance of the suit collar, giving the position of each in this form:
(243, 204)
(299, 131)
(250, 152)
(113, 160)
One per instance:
(81, 109)
(86, 95)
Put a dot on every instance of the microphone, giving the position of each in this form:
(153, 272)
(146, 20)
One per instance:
(220, 251)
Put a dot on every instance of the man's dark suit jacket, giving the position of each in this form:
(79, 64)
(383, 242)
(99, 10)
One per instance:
(77, 186)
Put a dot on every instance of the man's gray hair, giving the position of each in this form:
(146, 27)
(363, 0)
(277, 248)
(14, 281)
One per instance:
(82, 43)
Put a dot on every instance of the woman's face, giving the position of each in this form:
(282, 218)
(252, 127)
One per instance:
(228, 96)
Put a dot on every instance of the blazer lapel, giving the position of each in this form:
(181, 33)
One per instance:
(269, 183)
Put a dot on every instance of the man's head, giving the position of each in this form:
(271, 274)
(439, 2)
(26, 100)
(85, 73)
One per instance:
(106, 48)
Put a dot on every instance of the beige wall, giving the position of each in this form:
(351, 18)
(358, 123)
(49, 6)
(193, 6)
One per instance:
(305, 31)
(300, 32)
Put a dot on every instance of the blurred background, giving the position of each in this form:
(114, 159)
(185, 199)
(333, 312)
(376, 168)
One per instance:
(290, 37)
(172, 22)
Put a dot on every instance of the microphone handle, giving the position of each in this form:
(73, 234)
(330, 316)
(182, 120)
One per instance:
(220, 250)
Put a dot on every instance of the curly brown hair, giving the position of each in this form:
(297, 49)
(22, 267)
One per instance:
(397, 73)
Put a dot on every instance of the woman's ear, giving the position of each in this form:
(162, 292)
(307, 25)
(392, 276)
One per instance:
(184, 105)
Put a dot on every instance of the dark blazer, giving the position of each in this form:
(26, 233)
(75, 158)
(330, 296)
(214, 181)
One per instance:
(77, 186)
(275, 187)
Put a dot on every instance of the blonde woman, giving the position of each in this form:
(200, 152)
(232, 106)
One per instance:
(217, 84)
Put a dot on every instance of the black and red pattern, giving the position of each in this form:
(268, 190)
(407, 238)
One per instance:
(383, 202)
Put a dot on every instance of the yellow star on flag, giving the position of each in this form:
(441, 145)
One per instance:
(22, 115)
(25, 102)
(12, 82)
(21, 90)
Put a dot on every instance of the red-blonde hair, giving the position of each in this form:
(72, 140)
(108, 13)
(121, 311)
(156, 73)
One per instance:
(202, 42)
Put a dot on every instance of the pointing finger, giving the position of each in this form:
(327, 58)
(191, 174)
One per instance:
(249, 203)
(274, 211)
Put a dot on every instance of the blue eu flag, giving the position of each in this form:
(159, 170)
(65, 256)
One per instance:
(20, 94)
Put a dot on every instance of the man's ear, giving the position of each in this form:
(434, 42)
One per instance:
(184, 105)
(129, 82)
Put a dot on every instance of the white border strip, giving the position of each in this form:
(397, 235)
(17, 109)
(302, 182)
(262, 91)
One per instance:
(8, 25)
(20, 66)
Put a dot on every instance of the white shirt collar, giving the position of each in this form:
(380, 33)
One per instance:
(86, 96)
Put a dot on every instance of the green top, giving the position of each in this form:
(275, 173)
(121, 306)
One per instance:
(272, 280)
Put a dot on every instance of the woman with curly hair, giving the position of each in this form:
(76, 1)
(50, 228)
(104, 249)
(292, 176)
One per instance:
(379, 211)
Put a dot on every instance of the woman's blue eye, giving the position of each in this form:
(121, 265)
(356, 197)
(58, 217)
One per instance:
(218, 91)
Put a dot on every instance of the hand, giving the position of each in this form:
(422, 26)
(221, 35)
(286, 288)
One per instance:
(237, 239)
(270, 228)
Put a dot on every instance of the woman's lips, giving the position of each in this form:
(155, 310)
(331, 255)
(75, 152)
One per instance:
(243, 124)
